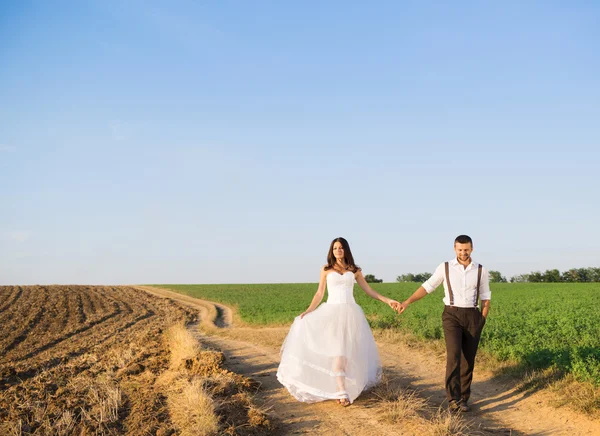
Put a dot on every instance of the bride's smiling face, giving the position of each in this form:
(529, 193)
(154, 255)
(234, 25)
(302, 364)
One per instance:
(338, 250)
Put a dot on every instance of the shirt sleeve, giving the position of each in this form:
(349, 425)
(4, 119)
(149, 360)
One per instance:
(484, 288)
(436, 279)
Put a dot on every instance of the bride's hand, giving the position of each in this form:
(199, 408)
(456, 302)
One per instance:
(394, 305)
(305, 313)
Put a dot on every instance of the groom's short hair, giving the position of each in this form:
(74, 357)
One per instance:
(463, 239)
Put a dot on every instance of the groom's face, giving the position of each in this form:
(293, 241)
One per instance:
(463, 251)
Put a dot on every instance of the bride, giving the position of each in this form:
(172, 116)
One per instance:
(329, 352)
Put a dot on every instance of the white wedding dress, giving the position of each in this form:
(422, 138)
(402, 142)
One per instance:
(331, 352)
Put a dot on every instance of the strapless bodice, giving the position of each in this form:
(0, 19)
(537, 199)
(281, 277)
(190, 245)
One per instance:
(340, 287)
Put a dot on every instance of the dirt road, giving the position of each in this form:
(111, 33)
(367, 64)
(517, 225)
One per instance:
(497, 408)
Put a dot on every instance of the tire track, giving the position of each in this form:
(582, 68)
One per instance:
(103, 343)
(15, 299)
(88, 307)
(5, 293)
(211, 314)
(44, 329)
(64, 311)
(119, 298)
(13, 293)
(69, 324)
(20, 335)
(98, 299)
(119, 320)
(69, 335)
(81, 318)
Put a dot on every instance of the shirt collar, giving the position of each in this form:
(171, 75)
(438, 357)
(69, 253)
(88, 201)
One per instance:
(455, 262)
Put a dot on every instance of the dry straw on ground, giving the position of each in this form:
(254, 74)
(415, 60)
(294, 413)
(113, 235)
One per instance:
(405, 407)
(192, 410)
(203, 397)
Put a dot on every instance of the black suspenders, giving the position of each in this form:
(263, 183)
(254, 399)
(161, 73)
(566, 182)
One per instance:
(451, 294)
(478, 283)
(449, 285)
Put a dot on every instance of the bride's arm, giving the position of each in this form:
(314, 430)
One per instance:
(360, 279)
(318, 295)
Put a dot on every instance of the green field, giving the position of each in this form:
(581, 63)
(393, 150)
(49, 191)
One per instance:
(537, 325)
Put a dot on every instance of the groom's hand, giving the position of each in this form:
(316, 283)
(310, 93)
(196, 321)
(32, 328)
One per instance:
(402, 307)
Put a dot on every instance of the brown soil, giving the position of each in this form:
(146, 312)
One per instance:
(83, 358)
(99, 360)
(498, 407)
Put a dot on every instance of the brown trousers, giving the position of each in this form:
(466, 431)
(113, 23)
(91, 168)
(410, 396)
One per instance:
(462, 330)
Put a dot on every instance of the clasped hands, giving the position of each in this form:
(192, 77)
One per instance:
(397, 306)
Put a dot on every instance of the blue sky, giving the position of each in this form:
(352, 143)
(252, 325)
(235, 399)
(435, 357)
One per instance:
(230, 142)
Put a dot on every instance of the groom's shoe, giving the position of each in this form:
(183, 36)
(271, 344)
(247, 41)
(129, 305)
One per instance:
(453, 406)
(459, 406)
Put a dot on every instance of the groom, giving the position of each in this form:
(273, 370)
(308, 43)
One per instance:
(465, 282)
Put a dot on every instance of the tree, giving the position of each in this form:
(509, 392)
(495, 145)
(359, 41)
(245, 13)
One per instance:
(370, 278)
(574, 275)
(570, 276)
(534, 277)
(422, 277)
(551, 276)
(521, 278)
(496, 277)
(594, 274)
(410, 277)
(584, 274)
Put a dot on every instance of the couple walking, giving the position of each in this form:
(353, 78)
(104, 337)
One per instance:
(330, 353)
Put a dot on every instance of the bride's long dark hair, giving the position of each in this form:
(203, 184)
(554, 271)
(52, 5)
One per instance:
(348, 258)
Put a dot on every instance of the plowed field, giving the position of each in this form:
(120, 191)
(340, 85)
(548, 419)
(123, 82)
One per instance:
(84, 359)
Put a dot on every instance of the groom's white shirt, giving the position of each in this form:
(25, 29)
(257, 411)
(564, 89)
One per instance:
(463, 281)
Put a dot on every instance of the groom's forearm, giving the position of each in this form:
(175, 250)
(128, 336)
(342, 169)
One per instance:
(419, 293)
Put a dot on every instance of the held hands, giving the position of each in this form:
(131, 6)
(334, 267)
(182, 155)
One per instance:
(394, 305)
(401, 307)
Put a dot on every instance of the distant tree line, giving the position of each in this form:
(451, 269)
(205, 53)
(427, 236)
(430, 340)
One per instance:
(370, 278)
(574, 275)
(410, 277)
